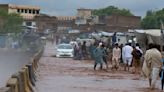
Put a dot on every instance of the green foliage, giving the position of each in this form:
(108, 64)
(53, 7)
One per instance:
(112, 10)
(10, 23)
(152, 19)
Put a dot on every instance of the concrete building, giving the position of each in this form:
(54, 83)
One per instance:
(27, 12)
(113, 23)
(84, 13)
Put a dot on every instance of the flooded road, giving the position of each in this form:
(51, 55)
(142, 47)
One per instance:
(67, 75)
(11, 61)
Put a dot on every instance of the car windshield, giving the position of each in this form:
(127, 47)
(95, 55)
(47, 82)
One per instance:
(64, 46)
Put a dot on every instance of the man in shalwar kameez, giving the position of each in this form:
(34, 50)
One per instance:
(98, 56)
(152, 64)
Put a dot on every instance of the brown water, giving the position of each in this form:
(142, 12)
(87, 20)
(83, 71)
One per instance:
(11, 61)
(67, 75)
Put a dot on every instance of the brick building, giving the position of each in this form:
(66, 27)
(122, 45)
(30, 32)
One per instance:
(112, 23)
(118, 23)
(45, 22)
(65, 23)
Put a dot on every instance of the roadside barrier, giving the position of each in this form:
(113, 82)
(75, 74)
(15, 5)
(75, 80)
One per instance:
(35, 65)
(20, 81)
(24, 80)
(28, 79)
(13, 83)
(31, 74)
(34, 70)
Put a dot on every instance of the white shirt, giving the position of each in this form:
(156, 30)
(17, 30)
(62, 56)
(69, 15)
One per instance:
(127, 51)
(139, 49)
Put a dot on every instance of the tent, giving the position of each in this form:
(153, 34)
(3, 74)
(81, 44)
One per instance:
(144, 37)
(152, 32)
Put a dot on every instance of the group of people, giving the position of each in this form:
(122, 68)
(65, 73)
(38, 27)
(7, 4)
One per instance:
(132, 58)
(127, 55)
(149, 63)
(80, 51)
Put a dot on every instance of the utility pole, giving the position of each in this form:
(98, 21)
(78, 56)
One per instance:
(162, 26)
(162, 34)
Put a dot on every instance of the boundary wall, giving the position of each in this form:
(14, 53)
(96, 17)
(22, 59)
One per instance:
(24, 80)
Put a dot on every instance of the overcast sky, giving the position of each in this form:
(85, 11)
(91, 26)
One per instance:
(68, 7)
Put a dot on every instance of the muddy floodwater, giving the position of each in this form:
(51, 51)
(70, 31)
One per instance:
(68, 75)
(11, 61)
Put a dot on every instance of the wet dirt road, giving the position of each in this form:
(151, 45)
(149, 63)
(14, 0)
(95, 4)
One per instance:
(67, 75)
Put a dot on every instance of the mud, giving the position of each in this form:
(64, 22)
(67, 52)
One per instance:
(67, 75)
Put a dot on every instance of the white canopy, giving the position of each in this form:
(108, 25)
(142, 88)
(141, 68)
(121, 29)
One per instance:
(106, 33)
(153, 32)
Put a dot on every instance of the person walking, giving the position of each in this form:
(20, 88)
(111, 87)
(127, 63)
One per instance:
(84, 50)
(105, 54)
(121, 46)
(152, 64)
(76, 50)
(127, 56)
(138, 47)
(116, 55)
(98, 56)
(136, 59)
(91, 49)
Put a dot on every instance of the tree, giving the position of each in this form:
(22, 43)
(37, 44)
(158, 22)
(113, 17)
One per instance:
(152, 19)
(112, 10)
(10, 23)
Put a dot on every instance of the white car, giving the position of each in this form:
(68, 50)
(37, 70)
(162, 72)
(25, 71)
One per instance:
(64, 50)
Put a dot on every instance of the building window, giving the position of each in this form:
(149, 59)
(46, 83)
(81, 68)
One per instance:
(37, 12)
(33, 11)
(18, 10)
(25, 10)
(29, 11)
(22, 10)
